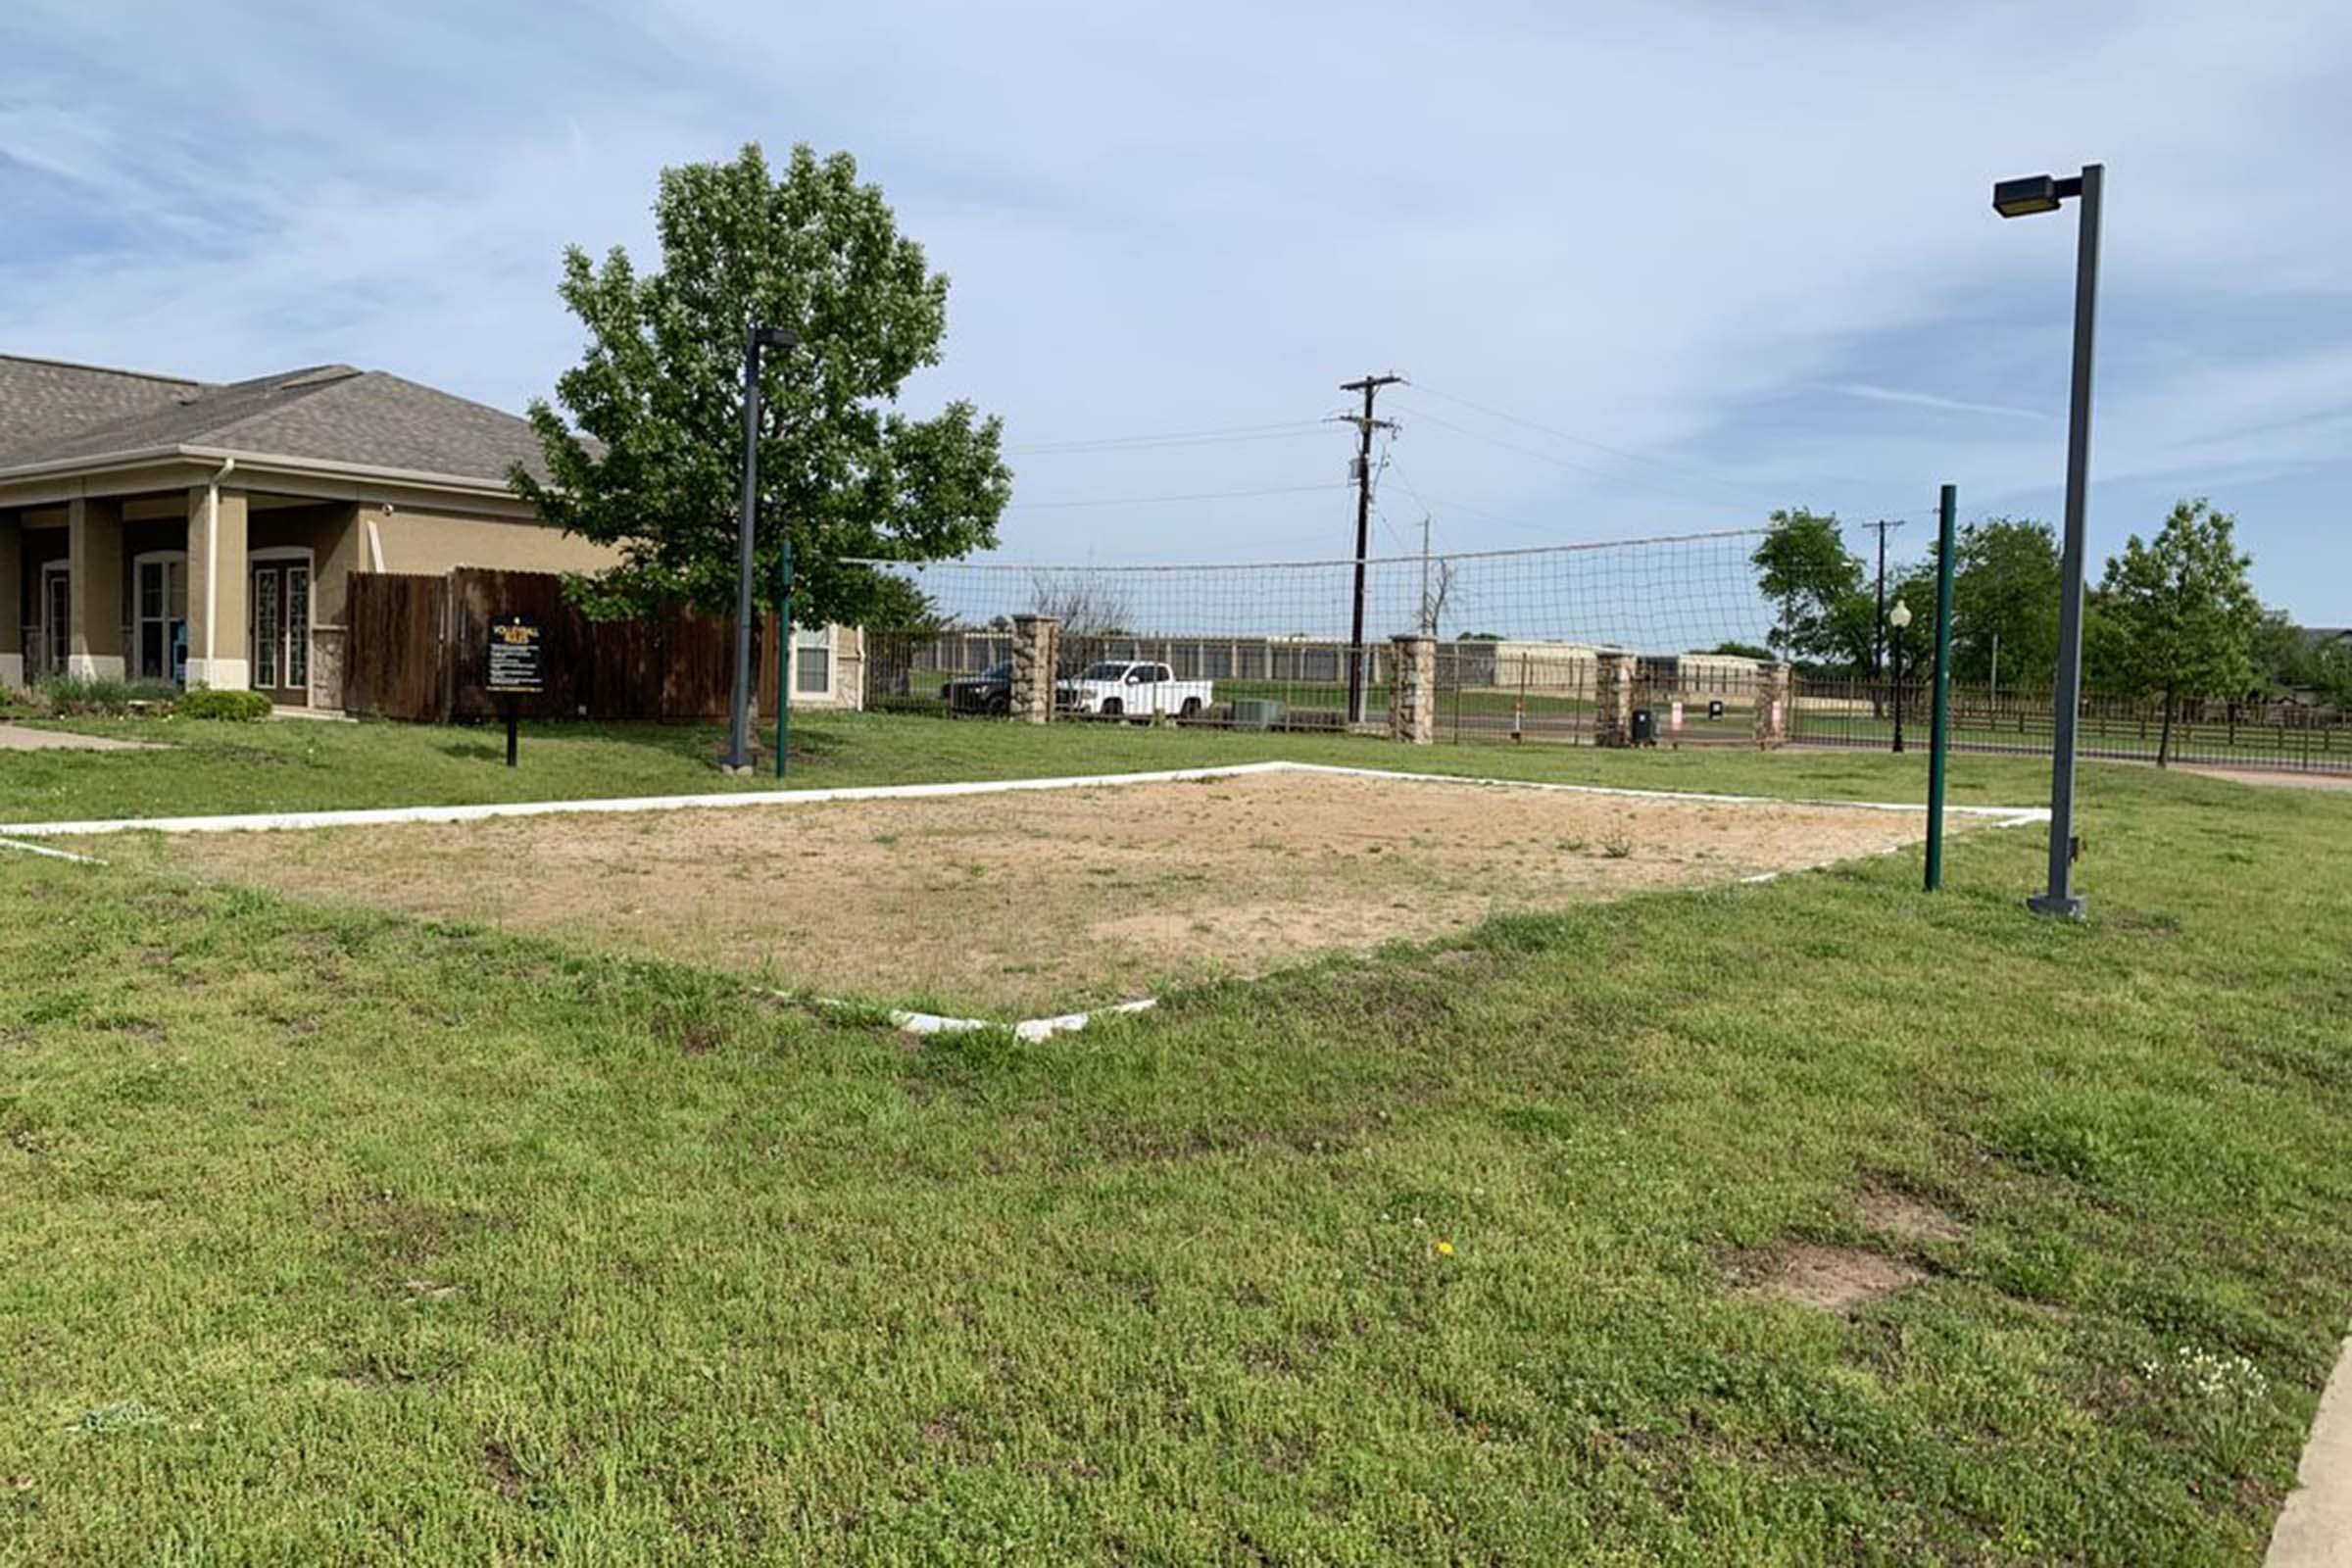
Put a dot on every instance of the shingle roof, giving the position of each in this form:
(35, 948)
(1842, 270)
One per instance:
(329, 413)
(40, 398)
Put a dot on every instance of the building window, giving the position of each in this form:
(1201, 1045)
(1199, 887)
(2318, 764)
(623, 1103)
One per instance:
(57, 612)
(298, 627)
(265, 628)
(812, 660)
(163, 617)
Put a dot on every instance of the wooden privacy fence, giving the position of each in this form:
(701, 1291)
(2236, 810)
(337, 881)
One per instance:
(418, 649)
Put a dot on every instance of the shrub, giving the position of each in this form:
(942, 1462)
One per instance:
(205, 702)
(60, 695)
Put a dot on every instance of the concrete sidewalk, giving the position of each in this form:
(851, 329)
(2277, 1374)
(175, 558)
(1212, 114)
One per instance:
(20, 738)
(2315, 1529)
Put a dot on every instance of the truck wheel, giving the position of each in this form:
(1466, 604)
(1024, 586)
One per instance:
(1112, 708)
(1191, 710)
(1000, 707)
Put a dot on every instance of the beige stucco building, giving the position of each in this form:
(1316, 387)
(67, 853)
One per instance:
(205, 534)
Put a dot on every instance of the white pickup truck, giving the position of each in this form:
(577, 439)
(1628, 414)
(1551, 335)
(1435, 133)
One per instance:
(1133, 689)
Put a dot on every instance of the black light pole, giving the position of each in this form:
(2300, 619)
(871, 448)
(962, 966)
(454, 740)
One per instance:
(1900, 618)
(2021, 198)
(739, 728)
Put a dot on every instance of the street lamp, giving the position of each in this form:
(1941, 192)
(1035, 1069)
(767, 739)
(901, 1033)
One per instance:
(739, 726)
(1899, 617)
(2021, 198)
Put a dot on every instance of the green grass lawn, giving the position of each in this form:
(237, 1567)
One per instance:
(334, 1238)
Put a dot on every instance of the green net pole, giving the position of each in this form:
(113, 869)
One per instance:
(783, 655)
(1940, 743)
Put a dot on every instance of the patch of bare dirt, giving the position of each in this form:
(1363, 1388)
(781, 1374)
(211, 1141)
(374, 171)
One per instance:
(1045, 900)
(1912, 1218)
(1835, 1279)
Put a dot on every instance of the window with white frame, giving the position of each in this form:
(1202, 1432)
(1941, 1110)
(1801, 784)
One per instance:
(161, 594)
(812, 660)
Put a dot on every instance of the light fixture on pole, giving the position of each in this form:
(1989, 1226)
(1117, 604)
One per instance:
(2022, 198)
(1899, 617)
(738, 724)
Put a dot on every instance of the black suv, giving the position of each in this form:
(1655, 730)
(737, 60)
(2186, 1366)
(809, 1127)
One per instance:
(989, 691)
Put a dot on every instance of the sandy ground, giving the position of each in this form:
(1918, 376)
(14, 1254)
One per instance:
(1043, 900)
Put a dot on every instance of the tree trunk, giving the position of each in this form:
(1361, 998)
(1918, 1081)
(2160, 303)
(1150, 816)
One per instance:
(2163, 739)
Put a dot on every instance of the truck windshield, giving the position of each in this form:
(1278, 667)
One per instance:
(1109, 672)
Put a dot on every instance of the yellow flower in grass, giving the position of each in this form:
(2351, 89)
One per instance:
(1443, 1247)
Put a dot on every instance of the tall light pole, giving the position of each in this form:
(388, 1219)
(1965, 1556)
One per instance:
(1900, 618)
(739, 725)
(2022, 198)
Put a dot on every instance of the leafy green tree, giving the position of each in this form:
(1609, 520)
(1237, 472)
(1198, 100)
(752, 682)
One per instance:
(2288, 657)
(650, 458)
(2179, 615)
(1803, 568)
(2328, 675)
(2281, 652)
(1740, 650)
(2005, 596)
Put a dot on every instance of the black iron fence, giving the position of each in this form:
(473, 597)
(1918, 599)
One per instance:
(1862, 713)
(1492, 689)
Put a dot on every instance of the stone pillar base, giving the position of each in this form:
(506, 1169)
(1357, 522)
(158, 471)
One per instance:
(1776, 704)
(1414, 691)
(1614, 699)
(94, 666)
(221, 674)
(1035, 645)
(11, 672)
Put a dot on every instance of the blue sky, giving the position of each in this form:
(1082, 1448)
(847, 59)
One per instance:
(1707, 259)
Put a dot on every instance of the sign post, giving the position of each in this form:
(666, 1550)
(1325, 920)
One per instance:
(516, 667)
(783, 655)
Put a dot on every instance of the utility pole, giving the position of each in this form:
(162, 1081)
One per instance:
(1878, 635)
(1365, 424)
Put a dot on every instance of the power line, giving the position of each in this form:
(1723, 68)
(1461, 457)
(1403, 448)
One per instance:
(1521, 552)
(1752, 486)
(1564, 463)
(1152, 501)
(1583, 441)
(1288, 429)
(1431, 503)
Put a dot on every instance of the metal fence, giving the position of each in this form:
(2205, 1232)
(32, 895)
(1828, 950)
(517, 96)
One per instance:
(1498, 688)
(1864, 713)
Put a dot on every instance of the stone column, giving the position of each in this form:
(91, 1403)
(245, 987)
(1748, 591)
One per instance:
(12, 603)
(216, 582)
(94, 556)
(1776, 702)
(1613, 699)
(1036, 641)
(1414, 689)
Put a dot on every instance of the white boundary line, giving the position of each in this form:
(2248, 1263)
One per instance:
(54, 854)
(256, 821)
(392, 815)
(2010, 816)
(1031, 1029)
(929, 1023)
